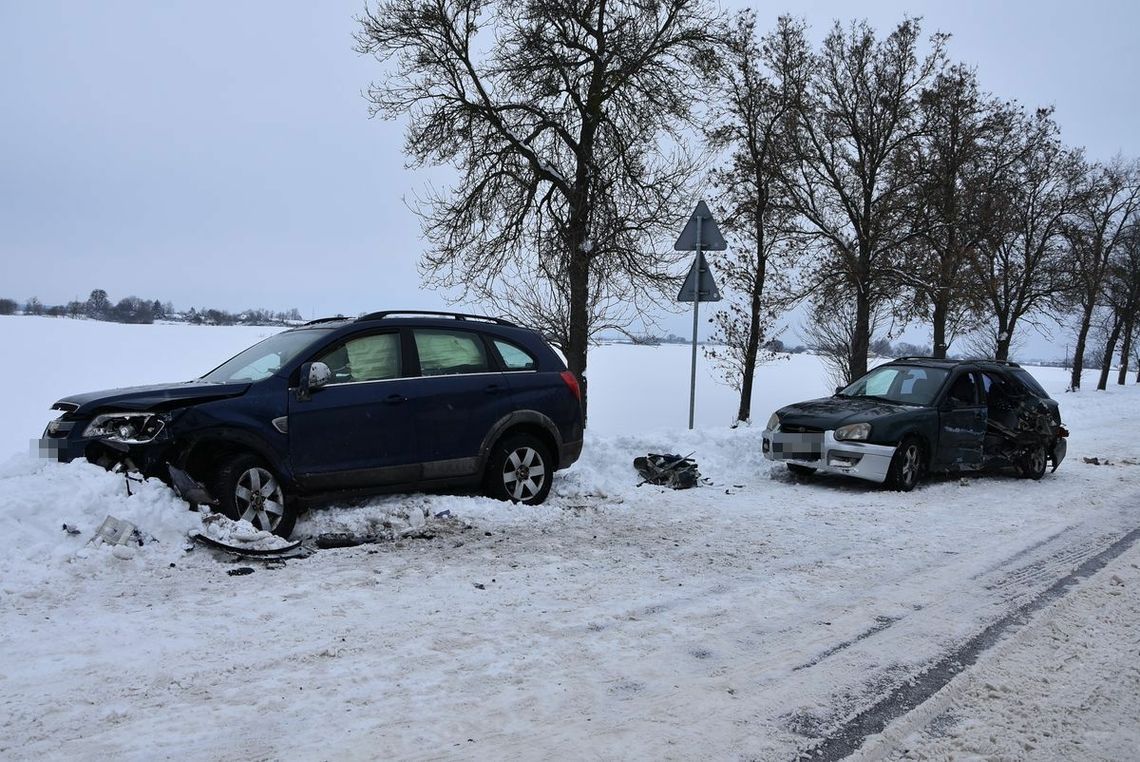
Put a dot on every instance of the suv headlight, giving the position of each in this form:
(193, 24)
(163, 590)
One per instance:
(128, 428)
(854, 431)
(774, 423)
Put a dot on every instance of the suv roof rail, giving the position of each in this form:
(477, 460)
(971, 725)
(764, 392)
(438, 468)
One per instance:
(1010, 363)
(434, 313)
(326, 320)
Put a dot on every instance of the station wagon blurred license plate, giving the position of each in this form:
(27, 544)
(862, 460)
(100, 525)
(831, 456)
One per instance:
(789, 445)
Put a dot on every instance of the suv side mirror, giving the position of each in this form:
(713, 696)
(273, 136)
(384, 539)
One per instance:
(314, 375)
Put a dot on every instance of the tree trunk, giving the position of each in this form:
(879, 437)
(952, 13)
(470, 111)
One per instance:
(938, 318)
(860, 337)
(751, 349)
(579, 337)
(1004, 338)
(744, 412)
(1109, 351)
(1079, 351)
(1126, 349)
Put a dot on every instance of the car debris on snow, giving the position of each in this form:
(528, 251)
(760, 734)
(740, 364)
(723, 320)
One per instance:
(241, 537)
(114, 531)
(676, 471)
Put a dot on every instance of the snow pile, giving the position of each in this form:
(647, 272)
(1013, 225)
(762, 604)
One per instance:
(39, 498)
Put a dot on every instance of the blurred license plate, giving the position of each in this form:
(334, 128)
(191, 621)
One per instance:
(794, 446)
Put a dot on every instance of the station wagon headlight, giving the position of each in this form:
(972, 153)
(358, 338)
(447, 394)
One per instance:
(774, 423)
(854, 431)
(128, 428)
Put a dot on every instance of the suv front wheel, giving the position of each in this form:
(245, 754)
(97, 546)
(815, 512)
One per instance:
(247, 489)
(519, 469)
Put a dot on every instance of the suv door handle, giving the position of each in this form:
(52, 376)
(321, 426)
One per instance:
(395, 399)
(493, 389)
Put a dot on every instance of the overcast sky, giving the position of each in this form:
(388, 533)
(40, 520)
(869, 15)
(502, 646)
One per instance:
(220, 154)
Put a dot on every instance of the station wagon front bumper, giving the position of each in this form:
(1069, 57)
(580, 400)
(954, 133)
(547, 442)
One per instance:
(823, 452)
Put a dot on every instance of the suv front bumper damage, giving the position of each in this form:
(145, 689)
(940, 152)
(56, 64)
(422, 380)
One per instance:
(826, 454)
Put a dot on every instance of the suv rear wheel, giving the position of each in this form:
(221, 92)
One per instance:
(247, 489)
(519, 469)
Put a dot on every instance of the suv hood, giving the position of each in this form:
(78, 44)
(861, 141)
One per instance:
(157, 397)
(833, 412)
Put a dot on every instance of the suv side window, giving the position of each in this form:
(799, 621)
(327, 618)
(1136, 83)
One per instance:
(514, 357)
(366, 358)
(444, 353)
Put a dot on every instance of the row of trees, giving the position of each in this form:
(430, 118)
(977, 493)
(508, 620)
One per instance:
(870, 176)
(898, 189)
(132, 309)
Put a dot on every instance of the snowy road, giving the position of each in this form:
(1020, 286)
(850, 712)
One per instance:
(753, 618)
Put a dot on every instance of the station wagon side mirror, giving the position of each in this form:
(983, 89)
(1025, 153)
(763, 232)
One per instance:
(314, 375)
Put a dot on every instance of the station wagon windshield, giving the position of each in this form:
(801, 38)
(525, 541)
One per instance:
(265, 358)
(908, 384)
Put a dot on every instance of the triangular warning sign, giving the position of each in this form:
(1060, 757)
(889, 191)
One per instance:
(699, 273)
(709, 238)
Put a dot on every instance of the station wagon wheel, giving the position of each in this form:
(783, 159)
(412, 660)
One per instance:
(907, 465)
(1033, 463)
(248, 490)
(519, 470)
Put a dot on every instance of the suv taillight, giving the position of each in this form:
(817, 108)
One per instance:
(572, 382)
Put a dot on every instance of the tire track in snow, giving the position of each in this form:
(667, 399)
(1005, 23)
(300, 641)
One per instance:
(849, 736)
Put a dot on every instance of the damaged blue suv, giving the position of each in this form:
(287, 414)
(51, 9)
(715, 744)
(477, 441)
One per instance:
(341, 408)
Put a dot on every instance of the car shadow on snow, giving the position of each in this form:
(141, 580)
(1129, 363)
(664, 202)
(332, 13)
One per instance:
(846, 484)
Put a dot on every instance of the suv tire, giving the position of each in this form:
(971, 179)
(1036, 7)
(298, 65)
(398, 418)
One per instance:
(519, 469)
(247, 489)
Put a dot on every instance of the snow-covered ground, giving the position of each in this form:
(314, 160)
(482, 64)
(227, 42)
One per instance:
(752, 617)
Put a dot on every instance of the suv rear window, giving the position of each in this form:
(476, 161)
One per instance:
(514, 358)
(444, 353)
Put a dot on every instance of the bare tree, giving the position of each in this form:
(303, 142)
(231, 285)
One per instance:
(961, 161)
(857, 119)
(830, 331)
(1110, 196)
(556, 125)
(1020, 271)
(752, 129)
(1123, 294)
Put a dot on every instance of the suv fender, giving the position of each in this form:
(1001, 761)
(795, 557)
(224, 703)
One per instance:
(204, 446)
(524, 419)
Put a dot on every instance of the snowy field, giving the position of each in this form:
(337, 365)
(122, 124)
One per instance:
(755, 617)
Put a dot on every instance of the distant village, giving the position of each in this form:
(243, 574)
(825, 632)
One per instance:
(132, 309)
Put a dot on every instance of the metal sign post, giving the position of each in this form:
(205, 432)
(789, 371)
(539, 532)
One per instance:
(700, 234)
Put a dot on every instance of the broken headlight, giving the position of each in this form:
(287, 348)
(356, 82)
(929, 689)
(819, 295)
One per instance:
(128, 428)
(854, 431)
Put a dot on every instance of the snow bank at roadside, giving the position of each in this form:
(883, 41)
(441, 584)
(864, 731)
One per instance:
(41, 497)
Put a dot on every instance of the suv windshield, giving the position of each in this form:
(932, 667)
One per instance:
(264, 358)
(908, 384)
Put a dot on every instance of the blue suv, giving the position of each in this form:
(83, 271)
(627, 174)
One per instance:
(342, 408)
